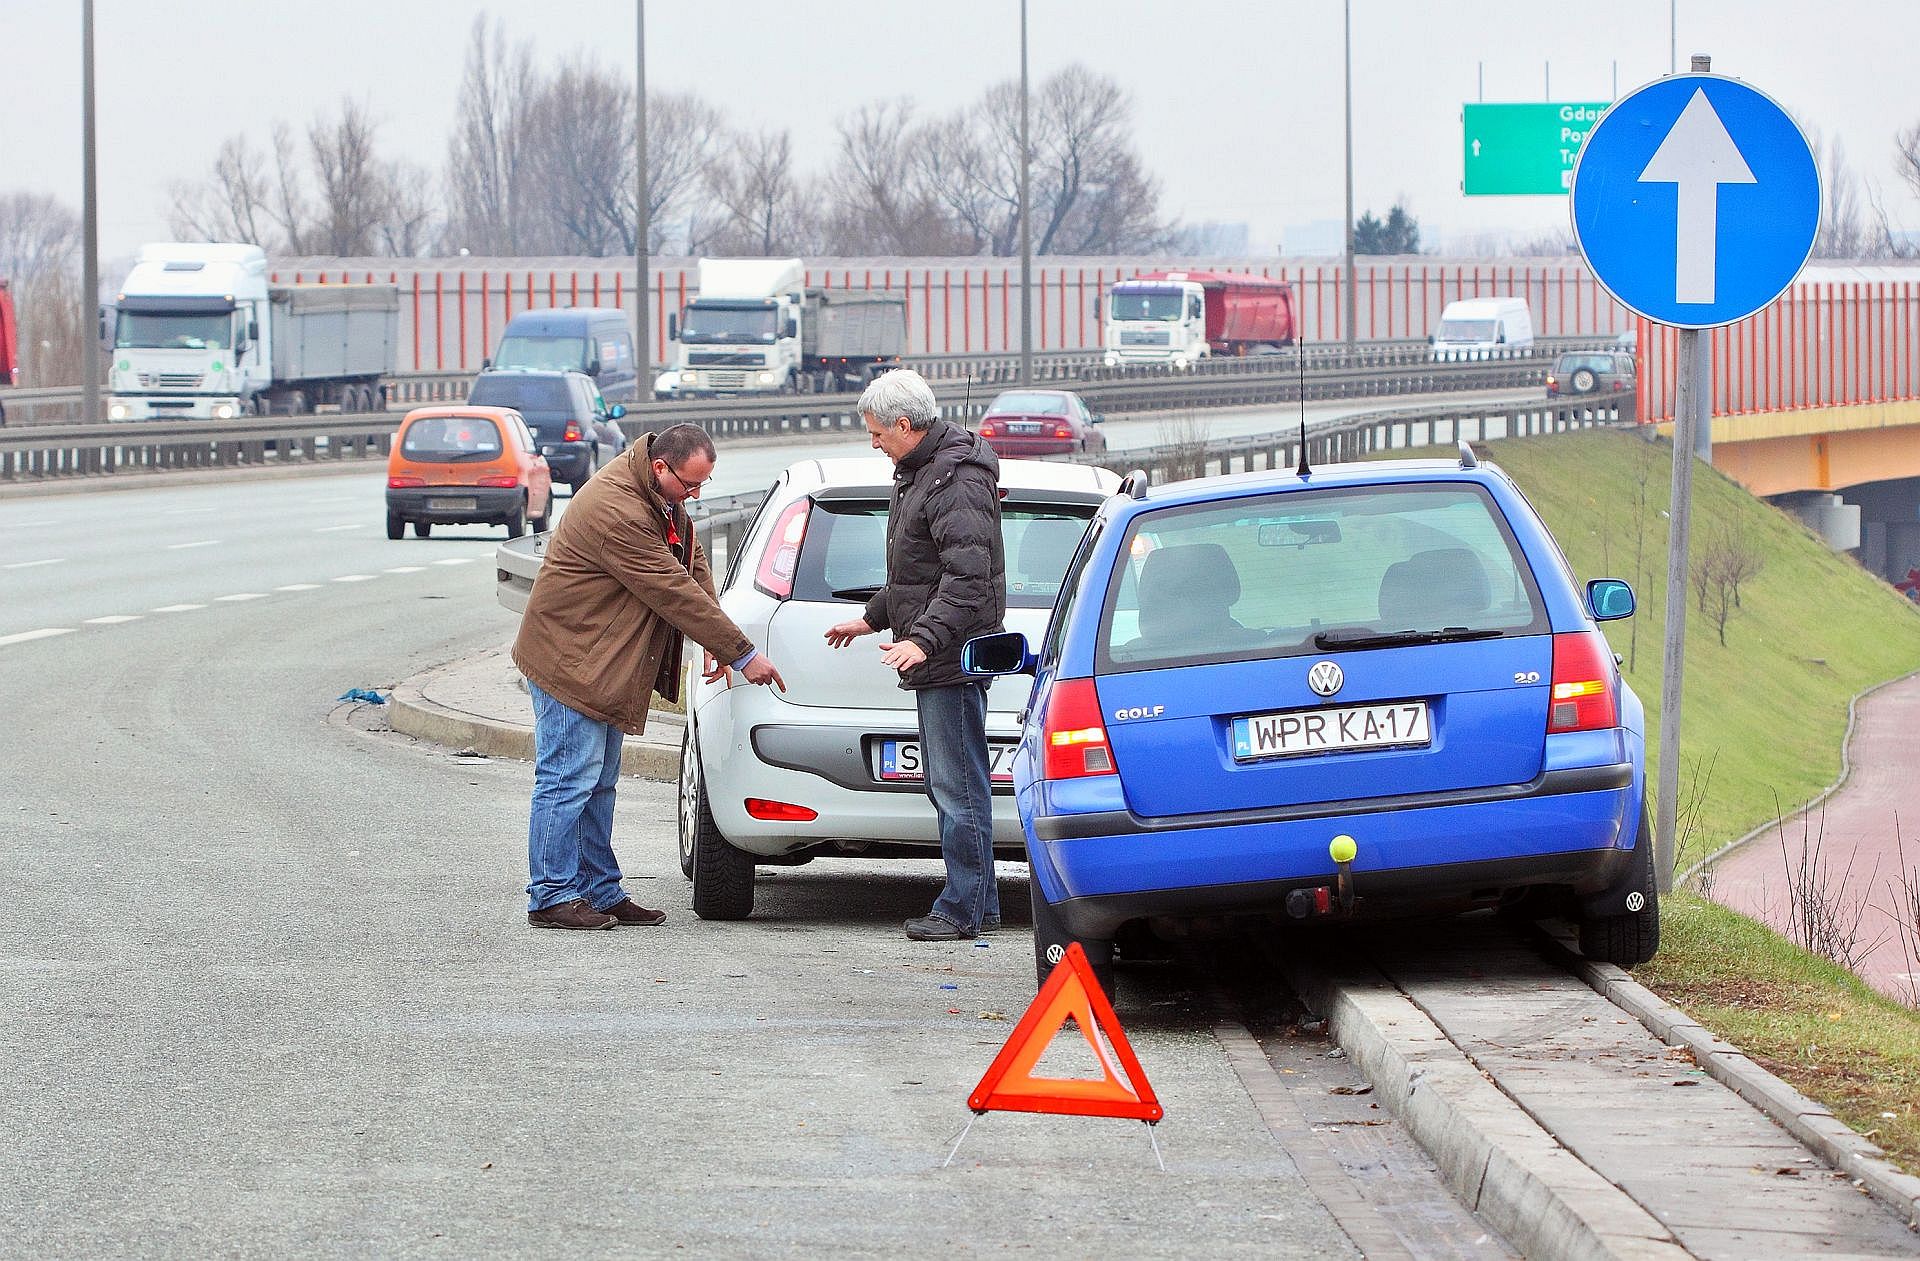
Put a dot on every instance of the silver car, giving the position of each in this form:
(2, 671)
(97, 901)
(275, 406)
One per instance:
(832, 765)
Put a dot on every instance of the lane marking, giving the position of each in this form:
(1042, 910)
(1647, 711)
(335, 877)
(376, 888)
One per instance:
(113, 619)
(177, 547)
(404, 569)
(178, 608)
(185, 512)
(337, 499)
(244, 595)
(28, 525)
(356, 577)
(329, 529)
(33, 564)
(47, 632)
(455, 560)
(299, 586)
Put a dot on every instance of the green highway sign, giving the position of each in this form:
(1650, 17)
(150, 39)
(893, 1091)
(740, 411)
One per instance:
(1529, 148)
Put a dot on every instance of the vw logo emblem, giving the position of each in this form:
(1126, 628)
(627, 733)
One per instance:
(1055, 953)
(1325, 678)
(1636, 901)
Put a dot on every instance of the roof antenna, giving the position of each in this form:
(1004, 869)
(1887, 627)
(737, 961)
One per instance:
(1300, 355)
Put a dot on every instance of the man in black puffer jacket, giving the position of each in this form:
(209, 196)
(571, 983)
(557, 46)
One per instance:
(946, 582)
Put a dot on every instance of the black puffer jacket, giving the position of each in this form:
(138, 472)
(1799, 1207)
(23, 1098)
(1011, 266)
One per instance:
(946, 564)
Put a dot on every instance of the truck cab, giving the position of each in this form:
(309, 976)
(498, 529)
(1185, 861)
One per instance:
(1156, 322)
(9, 345)
(741, 335)
(191, 334)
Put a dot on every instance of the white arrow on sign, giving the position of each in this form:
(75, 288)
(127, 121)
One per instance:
(1698, 155)
(1476, 148)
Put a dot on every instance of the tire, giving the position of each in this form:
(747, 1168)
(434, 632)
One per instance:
(593, 466)
(722, 876)
(297, 403)
(1051, 939)
(517, 523)
(422, 529)
(544, 522)
(396, 525)
(1629, 939)
(1583, 381)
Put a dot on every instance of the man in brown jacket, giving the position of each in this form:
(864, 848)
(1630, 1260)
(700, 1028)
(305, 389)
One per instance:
(623, 585)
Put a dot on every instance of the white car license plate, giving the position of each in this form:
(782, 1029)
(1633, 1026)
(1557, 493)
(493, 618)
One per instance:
(900, 760)
(1025, 426)
(1330, 730)
(453, 505)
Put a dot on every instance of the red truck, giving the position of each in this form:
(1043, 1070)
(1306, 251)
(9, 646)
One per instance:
(9, 345)
(1177, 317)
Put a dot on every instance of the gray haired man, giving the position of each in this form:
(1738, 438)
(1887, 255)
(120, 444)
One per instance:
(946, 582)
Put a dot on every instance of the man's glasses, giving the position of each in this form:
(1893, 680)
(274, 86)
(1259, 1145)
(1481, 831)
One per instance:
(692, 488)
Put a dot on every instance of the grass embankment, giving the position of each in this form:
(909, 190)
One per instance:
(1762, 727)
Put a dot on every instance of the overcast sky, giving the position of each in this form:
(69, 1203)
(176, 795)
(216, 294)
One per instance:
(1237, 105)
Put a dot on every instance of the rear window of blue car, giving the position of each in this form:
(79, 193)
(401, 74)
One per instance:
(1261, 577)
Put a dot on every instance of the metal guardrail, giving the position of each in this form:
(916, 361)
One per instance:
(51, 452)
(722, 523)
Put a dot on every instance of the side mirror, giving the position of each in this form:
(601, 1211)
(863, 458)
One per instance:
(1005, 653)
(486, 364)
(673, 328)
(1609, 599)
(253, 330)
(792, 328)
(1099, 418)
(616, 411)
(593, 368)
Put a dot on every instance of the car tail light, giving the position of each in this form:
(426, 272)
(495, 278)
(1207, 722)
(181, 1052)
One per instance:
(1074, 733)
(1063, 431)
(498, 481)
(572, 433)
(1553, 383)
(779, 811)
(989, 428)
(402, 483)
(1583, 697)
(775, 576)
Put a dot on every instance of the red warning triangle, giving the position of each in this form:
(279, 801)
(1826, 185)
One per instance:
(1070, 991)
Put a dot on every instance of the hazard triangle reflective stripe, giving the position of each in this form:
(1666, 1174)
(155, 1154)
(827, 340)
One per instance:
(1071, 991)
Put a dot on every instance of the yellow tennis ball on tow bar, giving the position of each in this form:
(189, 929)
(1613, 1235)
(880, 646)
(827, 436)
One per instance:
(1342, 849)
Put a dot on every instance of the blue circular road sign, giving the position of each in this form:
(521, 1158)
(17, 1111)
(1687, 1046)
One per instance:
(1695, 200)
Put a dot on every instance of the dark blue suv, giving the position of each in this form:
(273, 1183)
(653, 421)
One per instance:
(1373, 689)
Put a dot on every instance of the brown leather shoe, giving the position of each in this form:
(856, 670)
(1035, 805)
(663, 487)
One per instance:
(574, 914)
(628, 912)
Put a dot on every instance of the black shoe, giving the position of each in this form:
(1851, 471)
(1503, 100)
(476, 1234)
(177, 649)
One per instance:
(933, 928)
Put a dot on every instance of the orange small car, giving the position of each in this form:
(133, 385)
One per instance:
(460, 463)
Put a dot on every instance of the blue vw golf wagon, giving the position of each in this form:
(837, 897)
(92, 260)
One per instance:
(1372, 689)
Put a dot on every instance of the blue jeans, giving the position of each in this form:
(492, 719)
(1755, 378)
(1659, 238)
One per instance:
(953, 747)
(570, 830)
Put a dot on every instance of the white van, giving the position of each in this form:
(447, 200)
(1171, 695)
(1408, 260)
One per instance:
(1483, 328)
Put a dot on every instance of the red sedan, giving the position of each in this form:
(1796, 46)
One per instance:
(1041, 422)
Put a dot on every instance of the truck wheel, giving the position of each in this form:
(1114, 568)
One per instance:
(396, 525)
(722, 875)
(1630, 939)
(297, 403)
(1051, 939)
(517, 523)
(421, 529)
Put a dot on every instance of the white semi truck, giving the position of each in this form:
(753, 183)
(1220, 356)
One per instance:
(199, 334)
(756, 329)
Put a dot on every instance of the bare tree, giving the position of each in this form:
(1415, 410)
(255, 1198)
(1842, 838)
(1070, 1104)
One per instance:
(885, 205)
(349, 180)
(39, 237)
(233, 205)
(1729, 559)
(410, 219)
(767, 208)
(579, 157)
(40, 258)
(484, 173)
(683, 134)
(1844, 230)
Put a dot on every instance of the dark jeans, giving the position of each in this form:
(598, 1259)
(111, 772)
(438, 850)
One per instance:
(953, 747)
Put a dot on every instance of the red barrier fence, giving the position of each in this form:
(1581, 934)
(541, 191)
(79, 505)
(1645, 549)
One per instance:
(1822, 344)
(452, 314)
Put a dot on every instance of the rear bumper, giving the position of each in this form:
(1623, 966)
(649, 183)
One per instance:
(1021, 447)
(1573, 829)
(490, 503)
(567, 461)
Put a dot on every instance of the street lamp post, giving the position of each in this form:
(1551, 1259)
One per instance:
(90, 244)
(1026, 219)
(1352, 323)
(643, 219)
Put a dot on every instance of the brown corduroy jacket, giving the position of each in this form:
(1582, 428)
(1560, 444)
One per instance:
(604, 626)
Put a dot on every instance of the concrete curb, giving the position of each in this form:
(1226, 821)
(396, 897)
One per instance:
(1828, 1137)
(1498, 1160)
(412, 711)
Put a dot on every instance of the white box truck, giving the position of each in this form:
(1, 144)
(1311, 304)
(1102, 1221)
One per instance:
(756, 329)
(1483, 328)
(199, 334)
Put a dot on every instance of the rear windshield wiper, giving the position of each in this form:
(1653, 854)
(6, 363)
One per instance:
(857, 593)
(1396, 639)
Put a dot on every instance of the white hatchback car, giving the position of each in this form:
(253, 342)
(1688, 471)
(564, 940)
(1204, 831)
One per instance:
(832, 765)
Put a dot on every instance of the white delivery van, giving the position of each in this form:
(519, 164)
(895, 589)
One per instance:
(1483, 328)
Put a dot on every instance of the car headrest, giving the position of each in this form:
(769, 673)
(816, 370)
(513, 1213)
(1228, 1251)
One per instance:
(1432, 589)
(1196, 574)
(1046, 546)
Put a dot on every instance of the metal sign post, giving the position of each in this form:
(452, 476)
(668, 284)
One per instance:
(1695, 201)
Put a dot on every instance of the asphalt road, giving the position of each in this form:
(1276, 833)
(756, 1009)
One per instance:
(269, 989)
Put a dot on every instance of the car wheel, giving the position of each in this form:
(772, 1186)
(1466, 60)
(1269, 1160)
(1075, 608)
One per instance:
(722, 875)
(421, 529)
(1051, 939)
(544, 522)
(517, 523)
(593, 466)
(1631, 938)
(396, 525)
(1584, 381)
